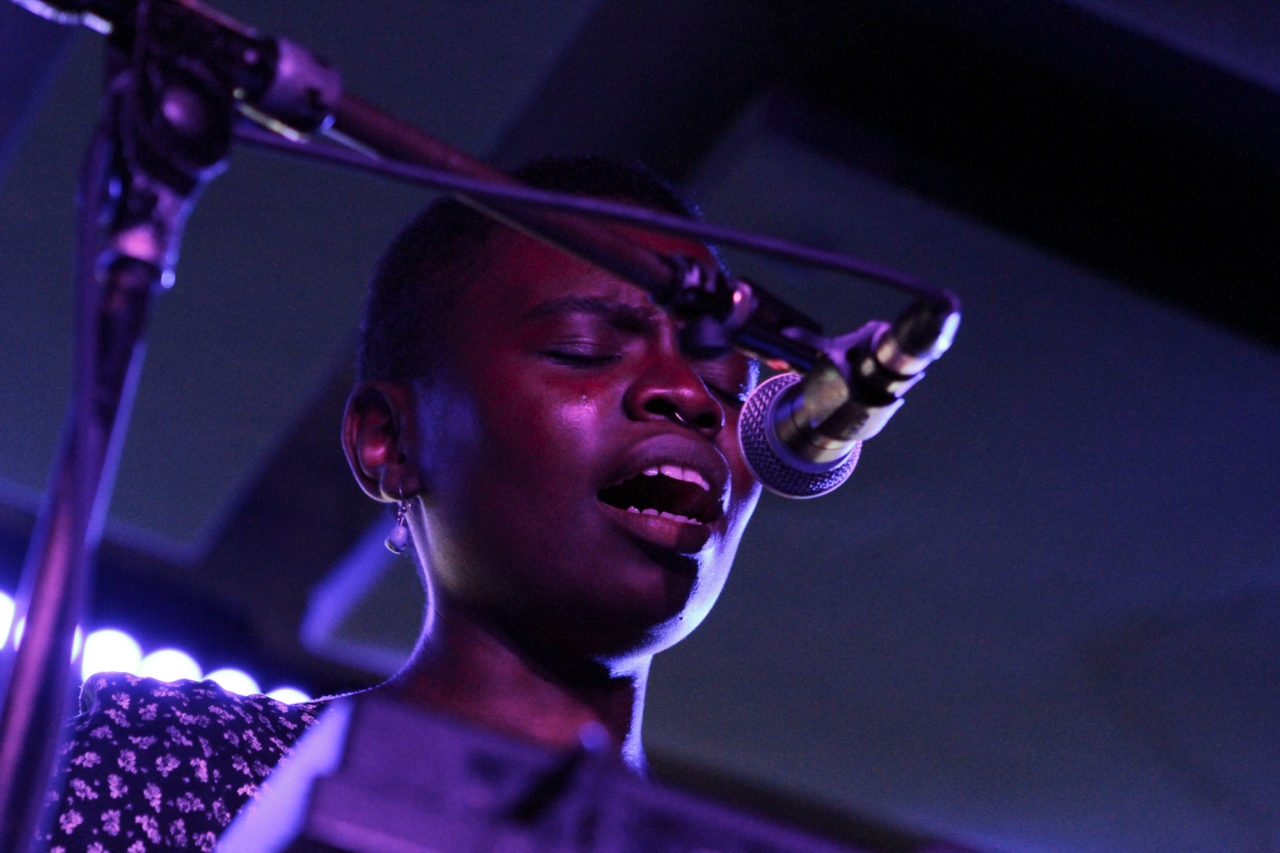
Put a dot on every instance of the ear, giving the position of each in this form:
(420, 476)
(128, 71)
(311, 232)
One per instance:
(379, 439)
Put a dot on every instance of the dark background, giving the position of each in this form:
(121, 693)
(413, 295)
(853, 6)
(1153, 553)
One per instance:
(1042, 616)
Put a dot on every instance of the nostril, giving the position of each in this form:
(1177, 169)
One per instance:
(706, 420)
(664, 407)
(667, 408)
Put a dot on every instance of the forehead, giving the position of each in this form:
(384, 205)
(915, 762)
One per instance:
(520, 282)
(517, 273)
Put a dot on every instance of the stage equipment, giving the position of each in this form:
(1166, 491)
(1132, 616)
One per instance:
(375, 774)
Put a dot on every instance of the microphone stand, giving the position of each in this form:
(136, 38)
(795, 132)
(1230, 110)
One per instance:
(178, 73)
(156, 146)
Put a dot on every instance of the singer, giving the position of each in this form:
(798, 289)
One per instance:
(570, 484)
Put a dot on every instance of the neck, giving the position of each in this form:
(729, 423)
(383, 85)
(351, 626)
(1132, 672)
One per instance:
(472, 671)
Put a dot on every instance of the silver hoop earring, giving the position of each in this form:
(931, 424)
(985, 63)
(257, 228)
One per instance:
(398, 539)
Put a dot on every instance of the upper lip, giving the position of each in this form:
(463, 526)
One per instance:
(691, 454)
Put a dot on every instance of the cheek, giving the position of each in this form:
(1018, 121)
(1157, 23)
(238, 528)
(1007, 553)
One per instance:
(543, 427)
(746, 488)
(567, 422)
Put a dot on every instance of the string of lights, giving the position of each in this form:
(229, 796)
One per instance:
(114, 650)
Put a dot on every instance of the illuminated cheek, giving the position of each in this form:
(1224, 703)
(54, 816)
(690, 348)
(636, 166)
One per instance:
(574, 419)
(552, 442)
(741, 510)
(712, 576)
(750, 492)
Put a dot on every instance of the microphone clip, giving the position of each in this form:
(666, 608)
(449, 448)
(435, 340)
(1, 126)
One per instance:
(719, 312)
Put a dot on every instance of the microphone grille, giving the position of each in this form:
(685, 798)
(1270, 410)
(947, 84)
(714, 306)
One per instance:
(777, 468)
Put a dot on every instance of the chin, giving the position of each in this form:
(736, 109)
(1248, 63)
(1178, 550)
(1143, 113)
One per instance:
(666, 630)
(624, 640)
(630, 657)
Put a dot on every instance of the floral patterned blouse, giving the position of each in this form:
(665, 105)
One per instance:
(154, 764)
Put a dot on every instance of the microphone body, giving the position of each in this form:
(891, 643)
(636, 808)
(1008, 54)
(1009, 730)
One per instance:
(801, 436)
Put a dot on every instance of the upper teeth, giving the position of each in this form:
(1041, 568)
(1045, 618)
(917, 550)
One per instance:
(677, 472)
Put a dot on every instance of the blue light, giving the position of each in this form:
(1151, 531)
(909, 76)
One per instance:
(6, 617)
(113, 650)
(169, 665)
(235, 680)
(289, 695)
(109, 650)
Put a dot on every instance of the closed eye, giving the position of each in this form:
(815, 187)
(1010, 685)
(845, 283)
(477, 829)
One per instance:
(582, 357)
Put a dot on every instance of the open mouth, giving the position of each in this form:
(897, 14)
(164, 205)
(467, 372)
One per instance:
(669, 491)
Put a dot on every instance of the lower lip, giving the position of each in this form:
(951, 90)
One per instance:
(680, 536)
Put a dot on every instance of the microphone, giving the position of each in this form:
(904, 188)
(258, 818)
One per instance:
(801, 435)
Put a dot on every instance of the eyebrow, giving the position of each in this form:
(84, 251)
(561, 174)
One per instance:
(632, 318)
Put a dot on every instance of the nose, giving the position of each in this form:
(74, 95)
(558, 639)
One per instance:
(667, 388)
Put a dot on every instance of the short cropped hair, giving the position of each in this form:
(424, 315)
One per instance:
(417, 283)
